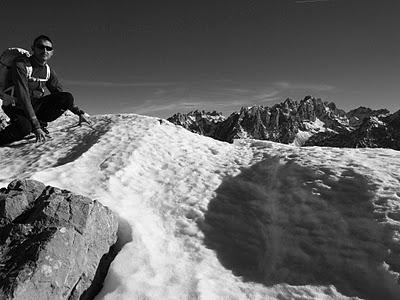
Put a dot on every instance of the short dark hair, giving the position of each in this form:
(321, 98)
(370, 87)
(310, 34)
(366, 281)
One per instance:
(42, 37)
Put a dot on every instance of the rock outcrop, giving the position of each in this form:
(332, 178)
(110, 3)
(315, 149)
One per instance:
(53, 244)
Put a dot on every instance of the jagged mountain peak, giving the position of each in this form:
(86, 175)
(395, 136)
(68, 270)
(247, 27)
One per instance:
(363, 109)
(201, 122)
(198, 113)
(310, 121)
(279, 123)
(289, 105)
(357, 116)
(393, 119)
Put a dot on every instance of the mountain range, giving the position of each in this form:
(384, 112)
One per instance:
(309, 122)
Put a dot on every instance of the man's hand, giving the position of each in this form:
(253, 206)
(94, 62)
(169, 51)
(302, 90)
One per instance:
(7, 99)
(83, 119)
(40, 135)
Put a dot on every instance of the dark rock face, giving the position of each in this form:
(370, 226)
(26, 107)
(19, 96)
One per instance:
(51, 242)
(279, 123)
(382, 131)
(356, 116)
(198, 122)
(317, 123)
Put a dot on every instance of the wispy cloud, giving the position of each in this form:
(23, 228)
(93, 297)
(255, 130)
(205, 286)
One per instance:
(208, 100)
(285, 85)
(225, 96)
(88, 83)
(138, 83)
(151, 108)
(163, 99)
(311, 1)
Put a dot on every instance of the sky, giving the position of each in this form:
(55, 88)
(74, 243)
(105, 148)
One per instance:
(161, 57)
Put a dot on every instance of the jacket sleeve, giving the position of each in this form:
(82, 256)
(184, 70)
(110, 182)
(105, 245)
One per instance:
(20, 80)
(53, 84)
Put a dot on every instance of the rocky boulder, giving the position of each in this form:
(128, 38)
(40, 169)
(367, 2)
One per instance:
(53, 244)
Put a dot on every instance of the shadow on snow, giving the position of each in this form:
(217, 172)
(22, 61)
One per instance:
(83, 146)
(284, 223)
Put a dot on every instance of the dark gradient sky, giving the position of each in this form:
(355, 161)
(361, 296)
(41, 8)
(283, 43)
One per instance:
(161, 57)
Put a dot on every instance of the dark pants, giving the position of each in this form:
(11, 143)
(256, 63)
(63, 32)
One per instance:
(47, 109)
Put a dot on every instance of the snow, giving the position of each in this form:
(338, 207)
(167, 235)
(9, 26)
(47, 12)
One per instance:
(377, 122)
(311, 129)
(301, 138)
(203, 219)
(316, 125)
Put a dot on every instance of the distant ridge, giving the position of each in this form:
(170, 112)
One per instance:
(309, 122)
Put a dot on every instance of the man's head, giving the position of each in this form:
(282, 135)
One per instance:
(42, 48)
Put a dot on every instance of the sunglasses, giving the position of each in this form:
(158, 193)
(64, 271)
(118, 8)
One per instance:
(42, 47)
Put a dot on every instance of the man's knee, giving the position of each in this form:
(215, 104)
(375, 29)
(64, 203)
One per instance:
(60, 100)
(22, 127)
(66, 99)
(18, 128)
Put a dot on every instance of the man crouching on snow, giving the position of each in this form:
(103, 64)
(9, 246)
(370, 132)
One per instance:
(30, 110)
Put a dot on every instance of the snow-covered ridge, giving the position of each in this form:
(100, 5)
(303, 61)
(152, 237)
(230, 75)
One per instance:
(205, 219)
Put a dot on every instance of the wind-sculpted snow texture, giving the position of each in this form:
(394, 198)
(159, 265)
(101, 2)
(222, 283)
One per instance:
(203, 219)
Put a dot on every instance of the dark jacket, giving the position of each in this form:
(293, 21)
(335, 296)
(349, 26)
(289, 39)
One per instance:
(26, 90)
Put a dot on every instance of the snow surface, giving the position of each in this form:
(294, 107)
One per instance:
(312, 128)
(203, 219)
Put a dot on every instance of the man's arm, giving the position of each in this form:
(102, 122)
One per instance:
(20, 80)
(53, 84)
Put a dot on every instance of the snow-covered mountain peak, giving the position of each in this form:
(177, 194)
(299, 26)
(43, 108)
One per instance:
(289, 122)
